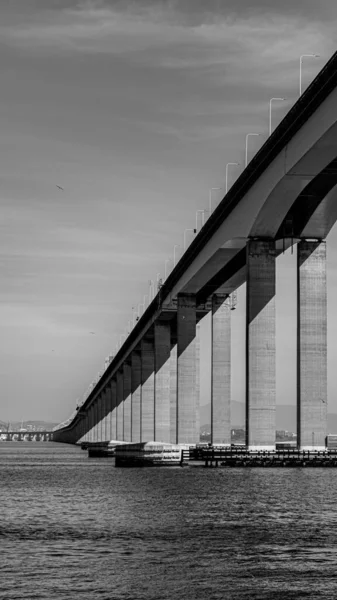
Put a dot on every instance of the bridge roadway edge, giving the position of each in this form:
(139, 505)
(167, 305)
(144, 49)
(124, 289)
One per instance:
(320, 88)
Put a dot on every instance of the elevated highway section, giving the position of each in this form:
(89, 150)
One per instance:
(286, 195)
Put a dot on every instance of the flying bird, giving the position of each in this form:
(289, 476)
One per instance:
(60, 188)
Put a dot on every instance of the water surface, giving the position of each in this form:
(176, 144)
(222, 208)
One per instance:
(79, 529)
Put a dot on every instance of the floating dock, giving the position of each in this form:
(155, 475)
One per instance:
(285, 457)
(151, 454)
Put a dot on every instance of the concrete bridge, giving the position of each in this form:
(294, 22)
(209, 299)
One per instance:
(26, 436)
(287, 195)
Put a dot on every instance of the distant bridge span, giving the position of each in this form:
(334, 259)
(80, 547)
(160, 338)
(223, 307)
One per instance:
(21, 436)
(286, 195)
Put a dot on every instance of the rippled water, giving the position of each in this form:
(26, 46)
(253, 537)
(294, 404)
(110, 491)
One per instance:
(77, 528)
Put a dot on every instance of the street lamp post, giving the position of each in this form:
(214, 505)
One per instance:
(144, 301)
(186, 231)
(270, 101)
(210, 198)
(228, 164)
(301, 60)
(196, 218)
(247, 136)
(167, 261)
(151, 290)
(174, 253)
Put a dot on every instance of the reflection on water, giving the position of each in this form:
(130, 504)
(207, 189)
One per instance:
(73, 528)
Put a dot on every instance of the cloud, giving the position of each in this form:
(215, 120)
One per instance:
(137, 27)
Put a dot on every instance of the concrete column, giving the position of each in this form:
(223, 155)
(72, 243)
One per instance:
(162, 350)
(86, 426)
(136, 388)
(108, 421)
(92, 432)
(90, 421)
(119, 407)
(260, 345)
(127, 401)
(186, 370)
(102, 415)
(107, 412)
(113, 414)
(96, 420)
(221, 370)
(173, 393)
(311, 345)
(197, 381)
(147, 406)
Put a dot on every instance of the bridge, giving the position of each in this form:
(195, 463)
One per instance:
(286, 196)
(26, 436)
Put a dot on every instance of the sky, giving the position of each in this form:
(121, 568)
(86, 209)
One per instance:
(133, 108)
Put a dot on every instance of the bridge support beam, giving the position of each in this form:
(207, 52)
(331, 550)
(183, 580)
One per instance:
(173, 391)
(136, 389)
(127, 402)
(311, 345)
(162, 349)
(95, 428)
(108, 412)
(101, 403)
(147, 405)
(120, 406)
(104, 414)
(187, 418)
(260, 345)
(221, 370)
(113, 413)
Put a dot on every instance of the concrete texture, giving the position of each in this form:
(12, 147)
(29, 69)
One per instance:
(197, 380)
(119, 407)
(221, 370)
(147, 405)
(311, 345)
(102, 406)
(186, 370)
(127, 401)
(108, 429)
(96, 420)
(106, 411)
(162, 349)
(136, 389)
(113, 414)
(260, 345)
(173, 394)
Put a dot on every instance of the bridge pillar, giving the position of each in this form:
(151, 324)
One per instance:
(221, 370)
(102, 416)
(187, 420)
(173, 391)
(127, 402)
(136, 389)
(119, 407)
(311, 345)
(162, 350)
(113, 414)
(108, 409)
(147, 404)
(91, 423)
(260, 345)
(96, 419)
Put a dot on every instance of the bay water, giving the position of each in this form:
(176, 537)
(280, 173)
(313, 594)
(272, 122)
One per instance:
(75, 528)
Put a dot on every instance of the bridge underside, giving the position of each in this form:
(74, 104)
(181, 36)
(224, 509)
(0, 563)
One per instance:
(151, 391)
